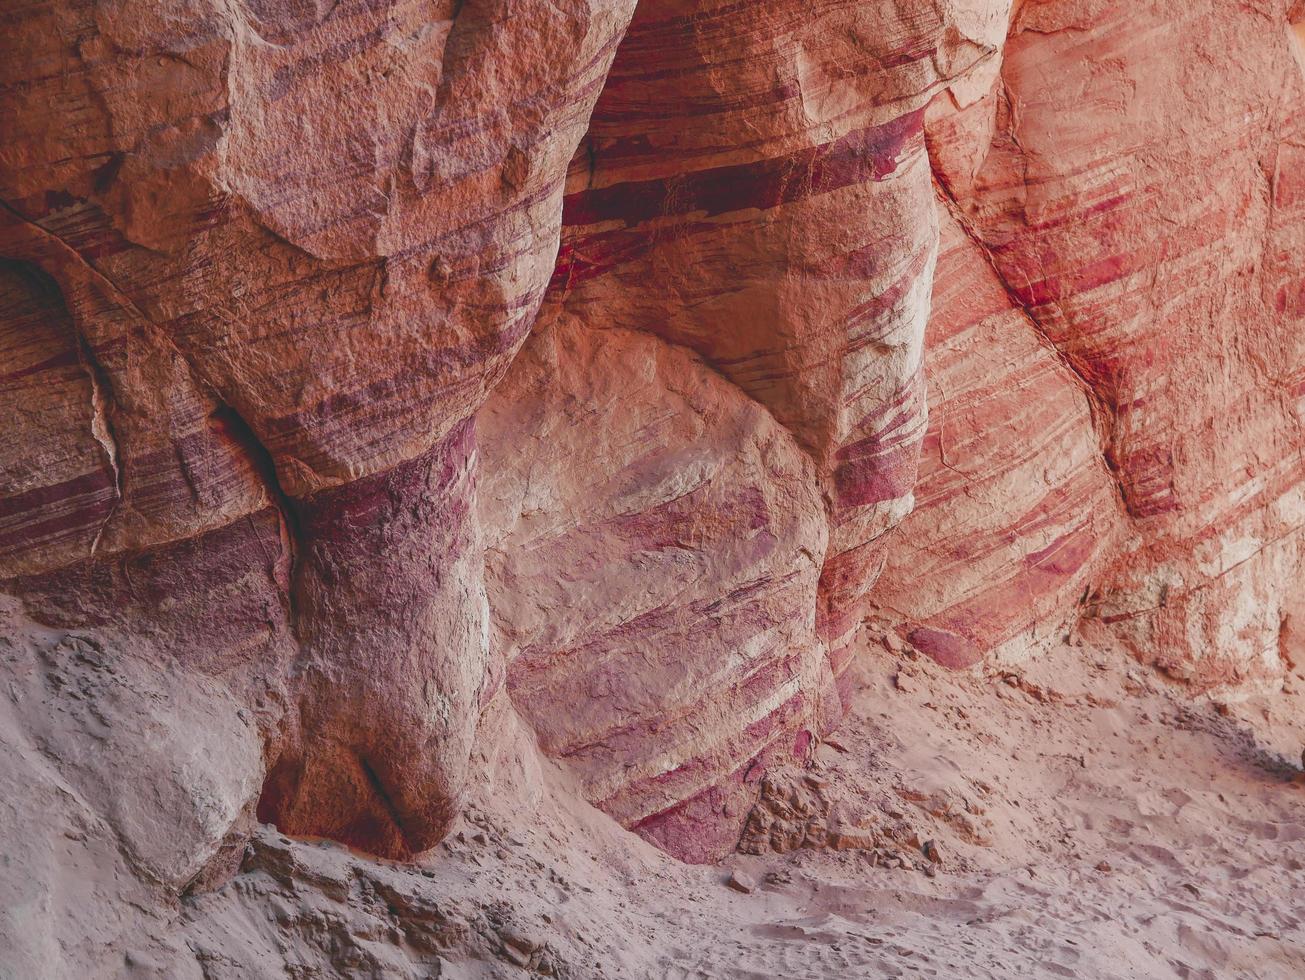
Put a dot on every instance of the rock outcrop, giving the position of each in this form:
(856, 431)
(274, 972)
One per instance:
(394, 387)
(278, 255)
(717, 158)
(1016, 511)
(1133, 175)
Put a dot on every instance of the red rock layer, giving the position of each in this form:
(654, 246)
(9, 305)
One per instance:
(280, 254)
(699, 210)
(61, 471)
(1015, 510)
(754, 187)
(655, 546)
(263, 264)
(1134, 174)
(389, 604)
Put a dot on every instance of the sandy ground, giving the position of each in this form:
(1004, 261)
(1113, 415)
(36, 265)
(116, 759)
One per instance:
(1090, 821)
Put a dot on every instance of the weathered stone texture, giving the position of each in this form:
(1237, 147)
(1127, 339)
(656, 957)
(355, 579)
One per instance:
(418, 382)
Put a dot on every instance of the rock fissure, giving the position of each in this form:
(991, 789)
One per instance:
(1102, 415)
(102, 430)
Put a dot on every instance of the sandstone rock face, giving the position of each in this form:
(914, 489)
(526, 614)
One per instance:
(1016, 511)
(259, 327)
(696, 213)
(754, 186)
(653, 566)
(1134, 176)
(419, 383)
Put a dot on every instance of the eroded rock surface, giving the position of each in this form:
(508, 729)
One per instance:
(278, 255)
(1134, 176)
(1016, 512)
(754, 186)
(399, 396)
(652, 578)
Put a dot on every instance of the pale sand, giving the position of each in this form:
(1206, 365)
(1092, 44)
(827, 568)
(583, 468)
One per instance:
(1199, 814)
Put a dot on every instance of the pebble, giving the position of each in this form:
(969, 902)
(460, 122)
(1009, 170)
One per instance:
(741, 881)
(519, 941)
(931, 851)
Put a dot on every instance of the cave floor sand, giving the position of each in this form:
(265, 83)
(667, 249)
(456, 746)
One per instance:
(1092, 822)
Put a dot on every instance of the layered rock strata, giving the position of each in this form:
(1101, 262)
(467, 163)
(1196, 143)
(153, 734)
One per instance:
(410, 382)
(1133, 175)
(754, 186)
(1016, 512)
(653, 568)
(267, 324)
